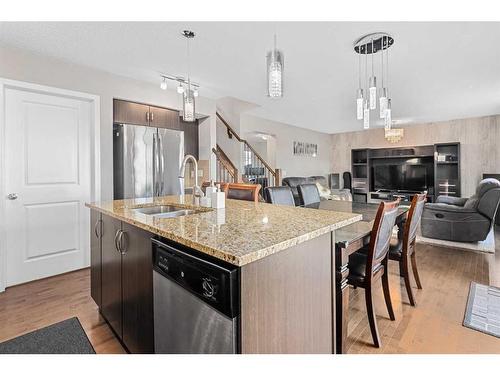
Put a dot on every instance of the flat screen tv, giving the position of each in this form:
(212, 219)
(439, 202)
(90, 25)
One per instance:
(404, 177)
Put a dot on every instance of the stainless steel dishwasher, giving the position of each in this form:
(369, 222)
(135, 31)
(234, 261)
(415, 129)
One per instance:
(196, 302)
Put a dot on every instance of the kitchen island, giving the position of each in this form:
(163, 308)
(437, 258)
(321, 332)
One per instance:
(284, 255)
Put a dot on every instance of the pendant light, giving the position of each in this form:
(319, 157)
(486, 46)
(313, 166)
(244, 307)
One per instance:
(366, 108)
(373, 84)
(388, 115)
(163, 84)
(384, 94)
(275, 62)
(188, 101)
(366, 95)
(359, 97)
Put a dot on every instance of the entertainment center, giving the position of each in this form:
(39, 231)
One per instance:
(388, 173)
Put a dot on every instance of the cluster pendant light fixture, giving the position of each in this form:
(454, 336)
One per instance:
(367, 98)
(188, 89)
(275, 64)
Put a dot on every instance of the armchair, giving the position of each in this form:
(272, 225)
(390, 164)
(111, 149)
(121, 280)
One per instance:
(462, 219)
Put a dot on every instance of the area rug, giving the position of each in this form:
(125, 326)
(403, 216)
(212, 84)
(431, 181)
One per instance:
(483, 309)
(66, 337)
(486, 246)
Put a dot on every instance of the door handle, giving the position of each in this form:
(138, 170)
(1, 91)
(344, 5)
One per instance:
(12, 196)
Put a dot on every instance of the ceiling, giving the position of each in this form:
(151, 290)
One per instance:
(438, 71)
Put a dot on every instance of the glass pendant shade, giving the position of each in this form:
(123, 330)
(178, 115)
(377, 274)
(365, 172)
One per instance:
(383, 102)
(275, 61)
(188, 114)
(373, 92)
(163, 84)
(366, 115)
(359, 105)
(388, 115)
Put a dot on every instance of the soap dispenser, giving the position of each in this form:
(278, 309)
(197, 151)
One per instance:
(211, 189)
(218, 198)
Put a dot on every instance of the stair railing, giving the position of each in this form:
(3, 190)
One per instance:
(256, 169)
(225, 170)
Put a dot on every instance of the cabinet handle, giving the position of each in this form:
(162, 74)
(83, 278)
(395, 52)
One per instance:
(116, 240)
(152, 116)
(121, 243)
(147, 116)
(97, 234)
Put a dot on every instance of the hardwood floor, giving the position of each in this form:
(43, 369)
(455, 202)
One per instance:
(434, 326)
(25, 308)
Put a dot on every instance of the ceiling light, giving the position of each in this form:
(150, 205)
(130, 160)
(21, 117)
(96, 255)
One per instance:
(180, 88)
(275, 60)
(188, 102)
(188, 106)
(388, 115)
(371, 44)
(366, 115)
(163, 84)
(195, 92)
(373, 84)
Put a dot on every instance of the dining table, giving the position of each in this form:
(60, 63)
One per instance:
(348, 240)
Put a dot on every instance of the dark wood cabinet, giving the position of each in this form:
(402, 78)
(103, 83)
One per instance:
(164, 118)
(125, 112)
(137, 278)
(95, 256)
(122, 280)
(111, 295)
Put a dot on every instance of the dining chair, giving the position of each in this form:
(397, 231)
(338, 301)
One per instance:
(370, 263)
(402, 249)
(279, 195)
(244, 192)
(308, 194)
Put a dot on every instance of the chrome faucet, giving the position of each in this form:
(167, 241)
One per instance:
(197, 192)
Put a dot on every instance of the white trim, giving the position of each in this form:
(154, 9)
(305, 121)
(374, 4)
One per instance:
(95, 140)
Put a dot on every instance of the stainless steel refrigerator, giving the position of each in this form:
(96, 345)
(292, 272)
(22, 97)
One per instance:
(146, 161)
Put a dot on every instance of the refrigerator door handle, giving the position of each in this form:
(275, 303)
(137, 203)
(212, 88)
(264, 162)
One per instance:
(162, 165)
(155, 166)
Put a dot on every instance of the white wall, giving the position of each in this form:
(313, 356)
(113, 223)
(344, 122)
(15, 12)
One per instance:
(26, 66)
(284, 136)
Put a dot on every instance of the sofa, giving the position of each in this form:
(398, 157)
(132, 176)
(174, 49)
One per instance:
(325, 192)
(463, 219)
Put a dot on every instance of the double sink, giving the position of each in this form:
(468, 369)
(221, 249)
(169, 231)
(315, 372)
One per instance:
(165, 211)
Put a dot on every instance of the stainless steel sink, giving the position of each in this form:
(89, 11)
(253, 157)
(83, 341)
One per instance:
(164, 211)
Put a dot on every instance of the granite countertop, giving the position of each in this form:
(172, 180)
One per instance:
(241, 233)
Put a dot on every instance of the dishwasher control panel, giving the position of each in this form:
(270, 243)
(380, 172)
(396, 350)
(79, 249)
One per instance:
(215, 284)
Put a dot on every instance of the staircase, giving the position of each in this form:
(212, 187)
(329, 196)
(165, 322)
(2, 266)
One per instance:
(254, 169)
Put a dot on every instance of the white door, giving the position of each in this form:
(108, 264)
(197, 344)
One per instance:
(47, 146)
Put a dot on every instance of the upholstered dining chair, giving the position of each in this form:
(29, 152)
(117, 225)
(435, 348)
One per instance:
(308, 194)
(279, 195)
(402, 249)
(244, 192)
(370, 263)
